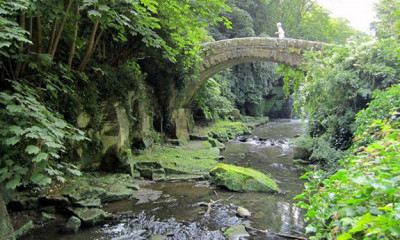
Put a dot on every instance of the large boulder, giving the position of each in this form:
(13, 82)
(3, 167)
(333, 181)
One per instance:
(91, 190)
(242, 179)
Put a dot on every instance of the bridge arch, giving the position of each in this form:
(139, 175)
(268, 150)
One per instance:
(220, 55)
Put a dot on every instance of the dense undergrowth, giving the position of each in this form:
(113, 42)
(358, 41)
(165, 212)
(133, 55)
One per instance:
(362, 199)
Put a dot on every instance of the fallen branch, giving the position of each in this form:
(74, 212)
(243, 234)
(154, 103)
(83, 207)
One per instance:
(212, 202)
(277, 234)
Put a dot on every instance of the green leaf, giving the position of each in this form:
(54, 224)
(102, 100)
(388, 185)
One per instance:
(345, 236)
(17, 130)
(94, 13)
(15, 108)
(40, 179)
(40, 157)
(32, 149)
(12, 141)
(74, 172)
(13, 183)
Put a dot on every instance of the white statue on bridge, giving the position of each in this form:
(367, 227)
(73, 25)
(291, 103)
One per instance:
(280, 32)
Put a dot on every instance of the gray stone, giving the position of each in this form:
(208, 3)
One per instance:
(83, 120)
(243, 212)
(89, 216)
(236, 232)
(157, 237)
(47, 217)
(89, 202)
(117, 193)
(73, 224)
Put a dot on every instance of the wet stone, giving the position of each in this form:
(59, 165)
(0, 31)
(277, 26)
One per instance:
(73, 224)
(236, 232)
(157, 237)
(89, 216)
(146, 195)
(243, 212)
(90, 202)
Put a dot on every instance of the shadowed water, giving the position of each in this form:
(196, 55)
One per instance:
(174, 211)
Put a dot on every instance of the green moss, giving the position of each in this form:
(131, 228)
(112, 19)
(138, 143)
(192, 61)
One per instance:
(223, 130)
(242, 179)
(197, 157)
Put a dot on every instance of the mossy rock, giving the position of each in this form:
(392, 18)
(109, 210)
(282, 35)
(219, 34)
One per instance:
(242, 179)
(86, 190)
(194, 158)
(89, 216)
(236, 232)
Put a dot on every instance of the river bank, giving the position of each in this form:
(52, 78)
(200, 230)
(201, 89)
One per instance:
(175, 203)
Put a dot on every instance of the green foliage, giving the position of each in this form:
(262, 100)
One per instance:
(210, 101)
(339, 81)
(371, 121)
(321, 151)
(10, 31)
(32, 140)
(361, 201)
(388, 14)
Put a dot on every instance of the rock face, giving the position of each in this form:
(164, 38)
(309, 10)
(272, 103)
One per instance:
(113, 130)
(6, 229)
(182, 123)
(242, 179)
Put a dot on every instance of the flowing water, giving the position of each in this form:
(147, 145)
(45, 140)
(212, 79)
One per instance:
(174, 208)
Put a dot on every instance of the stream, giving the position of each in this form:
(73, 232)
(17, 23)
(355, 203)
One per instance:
(173, 209)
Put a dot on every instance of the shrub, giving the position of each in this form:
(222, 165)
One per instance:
(32, 139)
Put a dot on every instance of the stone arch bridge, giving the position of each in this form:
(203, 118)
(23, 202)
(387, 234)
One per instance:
(220, 55)
(223, 54)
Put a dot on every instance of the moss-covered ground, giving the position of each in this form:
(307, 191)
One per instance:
(223, 130)
(196, 157)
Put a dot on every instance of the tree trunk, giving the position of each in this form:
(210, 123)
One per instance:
(39, 35)
(73, 44)
(53, 35)
(89, 50)
(58, 36)
(6, 229)
(21, 46)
